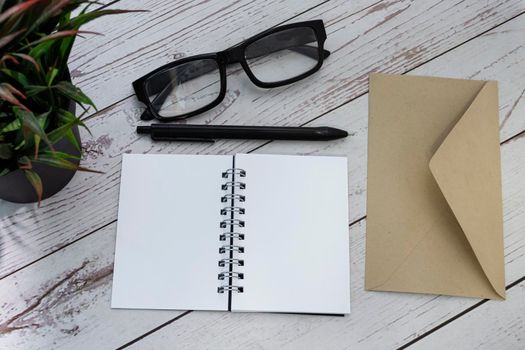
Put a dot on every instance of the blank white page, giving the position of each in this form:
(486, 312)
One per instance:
(296, 235)
(167, 248)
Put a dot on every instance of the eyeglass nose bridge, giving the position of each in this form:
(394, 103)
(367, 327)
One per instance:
(232, 55)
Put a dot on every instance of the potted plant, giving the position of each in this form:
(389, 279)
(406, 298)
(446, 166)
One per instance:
(40, 146)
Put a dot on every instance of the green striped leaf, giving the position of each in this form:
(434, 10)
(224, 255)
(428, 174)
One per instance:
(36, 182)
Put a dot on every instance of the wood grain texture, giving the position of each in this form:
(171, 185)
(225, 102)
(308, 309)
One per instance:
(364, 36)
(63, 302)
(378, 36)
(377, 319)
(490, 57)
(494, 325)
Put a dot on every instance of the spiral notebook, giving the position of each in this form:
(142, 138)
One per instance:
(247, 232)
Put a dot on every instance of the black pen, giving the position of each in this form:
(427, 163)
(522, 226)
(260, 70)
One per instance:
(207, 133)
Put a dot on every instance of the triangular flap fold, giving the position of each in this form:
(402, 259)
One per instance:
(467, 168)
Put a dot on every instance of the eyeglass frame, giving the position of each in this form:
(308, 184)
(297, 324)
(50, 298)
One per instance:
(232, 55)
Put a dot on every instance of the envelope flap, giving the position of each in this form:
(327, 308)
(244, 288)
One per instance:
(467, 169)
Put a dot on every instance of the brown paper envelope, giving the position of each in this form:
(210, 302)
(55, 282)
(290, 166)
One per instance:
(434, 210)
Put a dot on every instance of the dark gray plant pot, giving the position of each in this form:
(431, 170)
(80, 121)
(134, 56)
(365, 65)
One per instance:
(14, 187)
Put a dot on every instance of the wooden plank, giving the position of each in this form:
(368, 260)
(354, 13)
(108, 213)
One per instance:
(90, 201)
(377, 318)
(431, 310)
(493, 325)
(380, 37)
(183, 20)
(68, 293)
(62, 302)
(493, 56)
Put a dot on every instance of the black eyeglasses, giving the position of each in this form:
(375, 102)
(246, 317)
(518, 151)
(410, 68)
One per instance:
(276, 57)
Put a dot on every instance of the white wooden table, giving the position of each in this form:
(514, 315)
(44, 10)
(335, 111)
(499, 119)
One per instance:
(56, 262)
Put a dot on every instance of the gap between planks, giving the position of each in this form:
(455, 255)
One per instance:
(154, 330)
(113, 105)
(405, 346)
(453, 318)
(356, 221)
(444, 323)
(63, 246)
(408, 71)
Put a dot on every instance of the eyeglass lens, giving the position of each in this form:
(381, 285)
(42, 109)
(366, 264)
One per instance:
(283, 55)
(184, 88)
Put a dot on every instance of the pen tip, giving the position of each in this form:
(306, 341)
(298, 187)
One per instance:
(337, 133)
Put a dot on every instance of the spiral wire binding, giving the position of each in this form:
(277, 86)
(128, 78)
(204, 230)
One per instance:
(224, 275)
(241, 185)
(228, 261)
(228, 172)
(227, 210)
(232, 196)
(236, 235)
(232, 238)
(233, 248)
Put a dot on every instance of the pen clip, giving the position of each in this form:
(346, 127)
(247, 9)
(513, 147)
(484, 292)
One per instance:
(183, 139)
